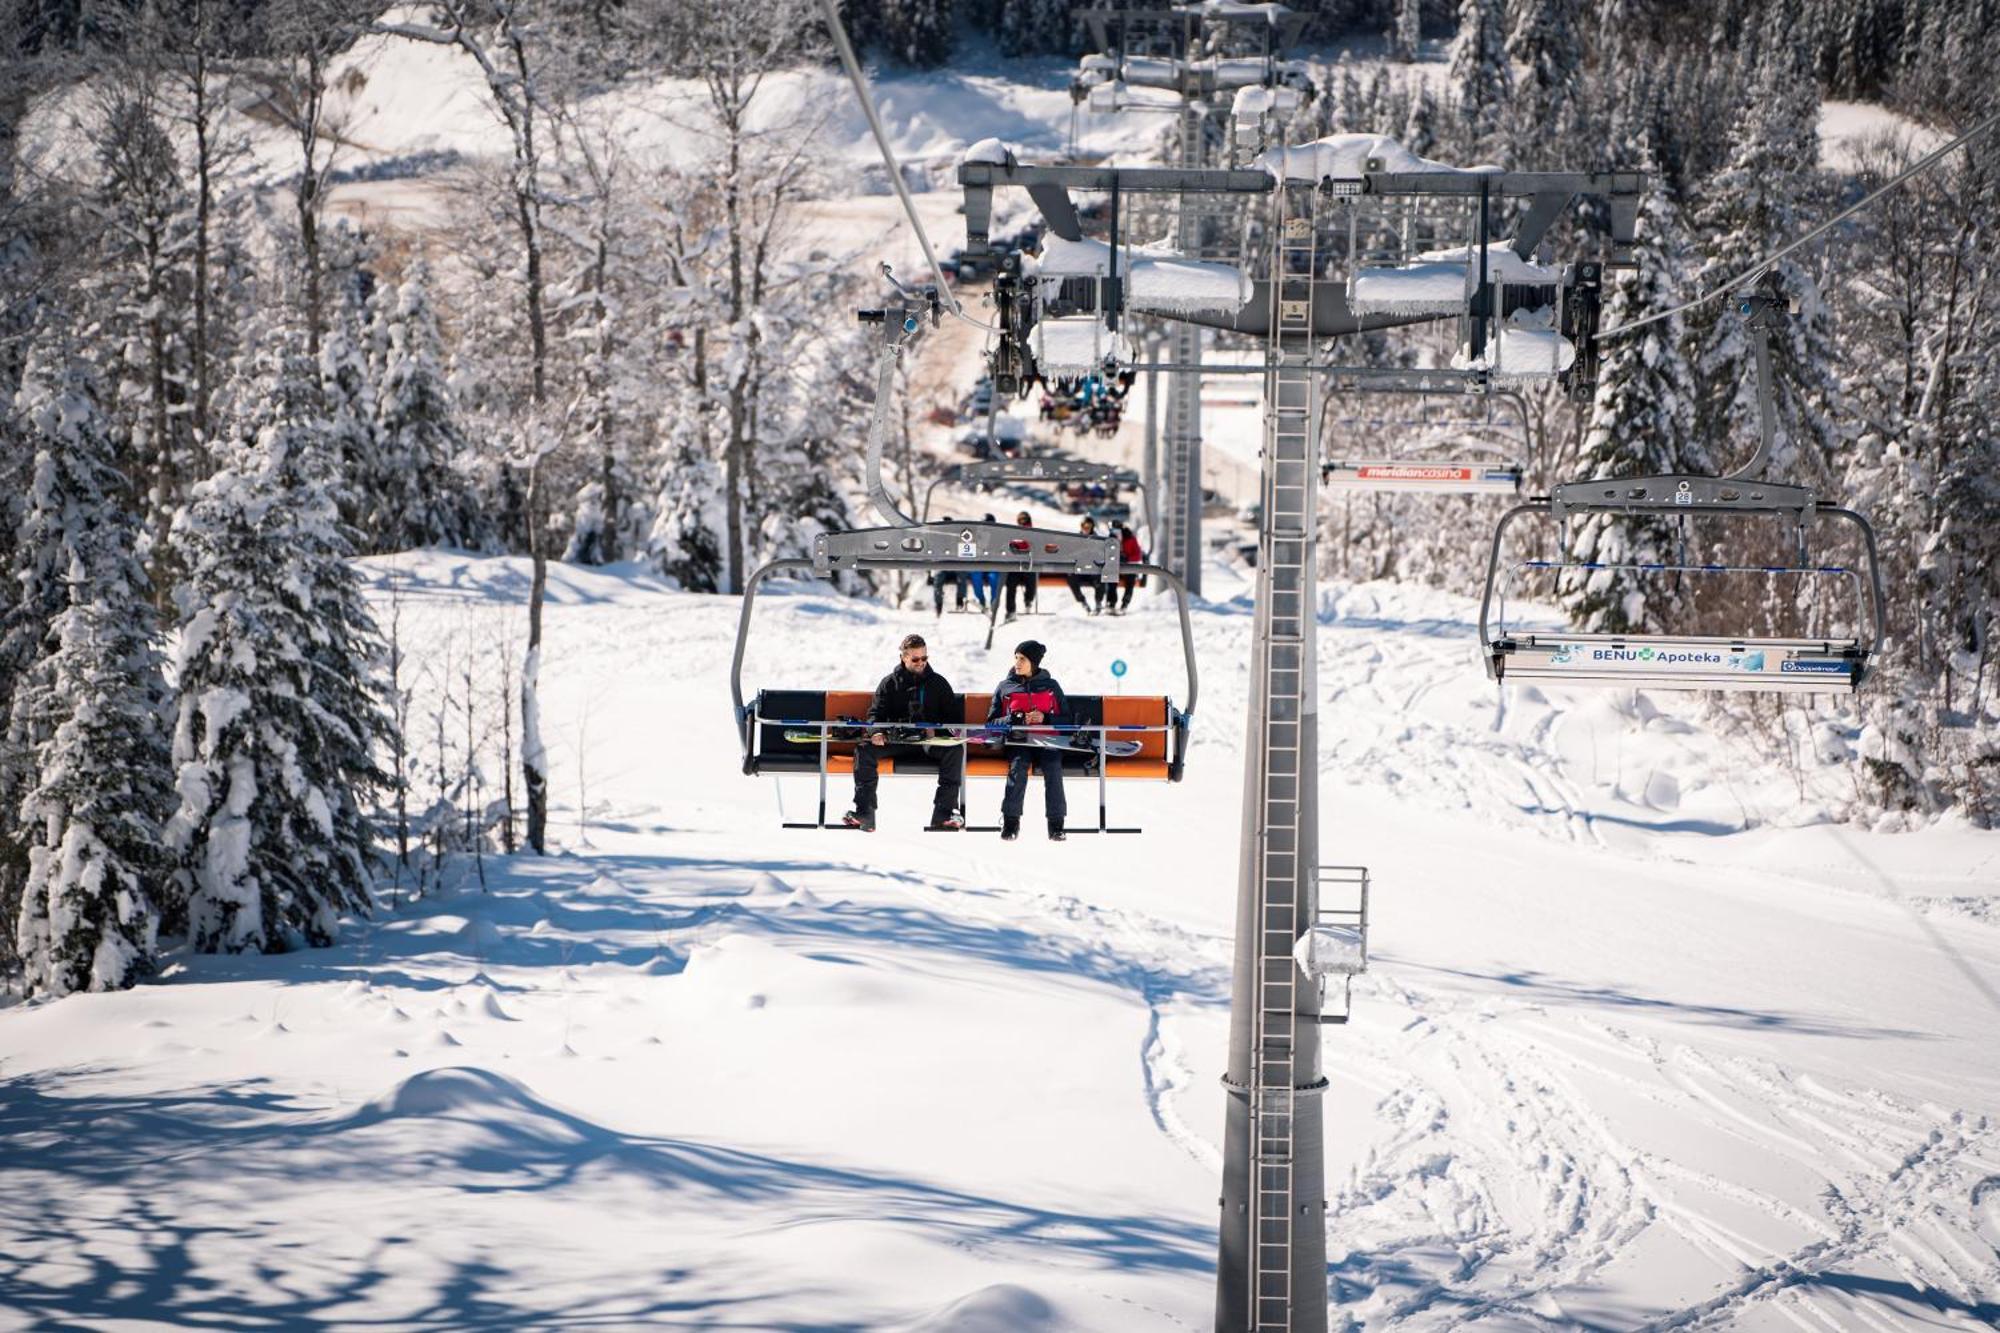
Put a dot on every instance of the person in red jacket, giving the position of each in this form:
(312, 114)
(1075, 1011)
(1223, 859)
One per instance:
(1129, 553)
(1029, 696)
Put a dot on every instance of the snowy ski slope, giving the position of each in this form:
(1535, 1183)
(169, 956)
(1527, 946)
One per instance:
(1623, 1062)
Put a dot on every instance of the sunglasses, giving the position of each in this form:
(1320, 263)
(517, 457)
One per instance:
(918, 657)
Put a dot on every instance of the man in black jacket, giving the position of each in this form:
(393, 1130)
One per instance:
(912, 695)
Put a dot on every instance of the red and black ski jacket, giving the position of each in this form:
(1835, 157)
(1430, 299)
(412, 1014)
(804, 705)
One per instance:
(905, 697)
(1039, 693)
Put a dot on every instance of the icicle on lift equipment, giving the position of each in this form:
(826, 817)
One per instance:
(906, 545)
(1821, 663)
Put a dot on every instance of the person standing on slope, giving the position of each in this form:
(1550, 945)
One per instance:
(912, 695)
(1030, 697)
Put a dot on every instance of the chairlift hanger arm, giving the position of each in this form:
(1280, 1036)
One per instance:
(1764, 312)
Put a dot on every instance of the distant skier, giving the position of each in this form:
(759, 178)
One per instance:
(1029, 696)
(911, 695)
(1129, 553)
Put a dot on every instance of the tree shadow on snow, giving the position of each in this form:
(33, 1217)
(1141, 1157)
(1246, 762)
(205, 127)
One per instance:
(438, 943)
(186, 1208)
(1540, 988)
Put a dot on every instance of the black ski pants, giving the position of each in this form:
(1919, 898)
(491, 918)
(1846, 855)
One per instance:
(1054, 803)
(951, 773)
(1027, 583)
(1077, 584)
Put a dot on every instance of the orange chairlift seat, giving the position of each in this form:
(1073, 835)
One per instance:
(765, 716)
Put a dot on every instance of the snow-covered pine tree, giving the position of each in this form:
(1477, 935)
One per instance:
(686, 540)
(99, 883)
(1480, 79)
(88, 717)
(348, 389)
(141, 289)
(916, 32)
(1546, 37)
(420, 496)
(1406, 31)
(1420, 128)
(280, 706)
(1641, 422)
(1031, 27)
(15, 458)
(1749, 208)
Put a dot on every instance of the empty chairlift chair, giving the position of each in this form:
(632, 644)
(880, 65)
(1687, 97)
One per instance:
(1834, 650)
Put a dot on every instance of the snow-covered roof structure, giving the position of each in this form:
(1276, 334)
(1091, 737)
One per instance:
(1155, 279)
(992, 152)
(1438, 282)
(1526, 347)
(1076, 345)
(1235, 9)
(1346, 157)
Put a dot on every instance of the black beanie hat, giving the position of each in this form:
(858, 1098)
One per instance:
(1031, 650)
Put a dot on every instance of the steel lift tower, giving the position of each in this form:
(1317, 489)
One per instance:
(1340, 260)
(1200, 56)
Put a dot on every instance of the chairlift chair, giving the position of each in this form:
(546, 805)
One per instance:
(1472, 467)
(765, 715)
(1830, 663)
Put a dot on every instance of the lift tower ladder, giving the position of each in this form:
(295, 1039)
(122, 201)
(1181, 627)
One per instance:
(1285, 1242)
(1183, 508)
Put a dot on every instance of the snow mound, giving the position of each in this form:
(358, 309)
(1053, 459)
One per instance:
(1001, 1308)
(1527, 347)
(456, 1092)
(1346, 157)
(740, 972)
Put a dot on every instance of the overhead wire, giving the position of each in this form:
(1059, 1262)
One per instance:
(946, 296)
(1764, 265)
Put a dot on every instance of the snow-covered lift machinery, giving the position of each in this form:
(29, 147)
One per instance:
(769, 720)
(1820, 658)
(1219, 67)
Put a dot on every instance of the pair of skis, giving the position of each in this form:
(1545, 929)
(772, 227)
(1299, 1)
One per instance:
(998, 734)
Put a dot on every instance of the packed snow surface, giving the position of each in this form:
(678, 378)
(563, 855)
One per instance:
(1646, 1039)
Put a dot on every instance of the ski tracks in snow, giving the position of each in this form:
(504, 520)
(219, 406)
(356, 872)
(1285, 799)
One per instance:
(1406, 708)
(1169, 969)
(1524, 1167)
